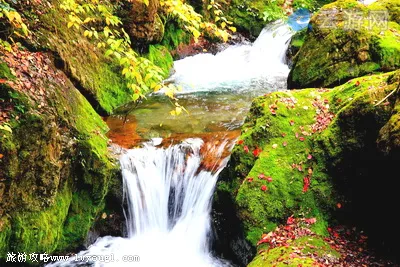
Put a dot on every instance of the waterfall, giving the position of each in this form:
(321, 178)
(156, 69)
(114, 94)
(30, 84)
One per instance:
(168, 191)
(259, 65)
(168, 196)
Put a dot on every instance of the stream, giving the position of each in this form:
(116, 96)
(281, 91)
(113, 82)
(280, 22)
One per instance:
(170, 164)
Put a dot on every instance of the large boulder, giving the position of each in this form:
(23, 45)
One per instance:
(304, 152)
(347, 39)
(55, 167)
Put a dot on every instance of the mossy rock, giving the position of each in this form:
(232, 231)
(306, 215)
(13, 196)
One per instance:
(55, 166)
(283, 256)
(161, 57)
(174, 36)
(283, 131)
(335, 51)
(97, 76)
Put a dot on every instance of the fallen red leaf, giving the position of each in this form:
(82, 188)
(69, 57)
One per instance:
(256, 152)
(284, 143)
(250, 179)
(357, 83)
(246, 149)
(290, 220)
(264, 188)
(3, 80)
(299, 168)
(311, 220)
(306, 183)
(269, 179)
(309, 156)
(261, 176)
(338, 205)
(239, 142)
(301, 138)
(291, 122)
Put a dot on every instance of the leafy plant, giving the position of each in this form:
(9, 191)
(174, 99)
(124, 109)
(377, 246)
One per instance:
(5, 127)
(142, 75)
(13, 18)
(272, 12)
(193, 22)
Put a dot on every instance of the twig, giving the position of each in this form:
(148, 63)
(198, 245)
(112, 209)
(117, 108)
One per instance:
(386, 97)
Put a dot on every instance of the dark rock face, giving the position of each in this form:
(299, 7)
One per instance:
(143, 24)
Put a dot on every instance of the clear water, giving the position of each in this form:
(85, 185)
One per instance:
(217, 89)
(168, 189)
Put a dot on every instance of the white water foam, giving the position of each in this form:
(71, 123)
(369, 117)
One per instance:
(239, 67)
(168, 200)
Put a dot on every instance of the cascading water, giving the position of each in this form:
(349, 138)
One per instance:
(168, 208)
(168, 191)
(240, 67)
(218, 89)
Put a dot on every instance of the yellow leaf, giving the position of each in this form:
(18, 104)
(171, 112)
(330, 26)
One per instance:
(148, 76)
(196, 34)
(223, 25)
(216, 19)
(157, 87)
(233, 29)
(209, 7)
(178, 110)
(146, 2)
(70, 24)
(86, 33)
(87, 20)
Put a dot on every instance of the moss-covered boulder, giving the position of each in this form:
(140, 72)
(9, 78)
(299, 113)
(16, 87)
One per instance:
(55, 167)
(303, 152)
(347, 39)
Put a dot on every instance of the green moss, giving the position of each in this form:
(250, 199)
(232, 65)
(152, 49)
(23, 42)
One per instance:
(5, 72)
(281, 256)
(41, 231)
(174, 36)
(81, 216)
(332, 56)
(57, 170)
(100, 77)
(262, 211)
(161, 57)
(248, 16)
(393, 6)
(5, 233)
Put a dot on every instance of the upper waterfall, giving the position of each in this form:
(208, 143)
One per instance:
(242, 66)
